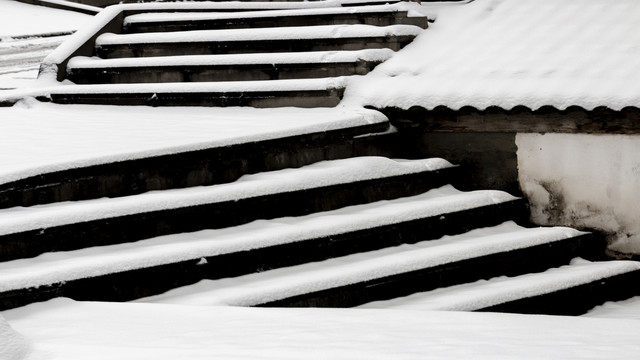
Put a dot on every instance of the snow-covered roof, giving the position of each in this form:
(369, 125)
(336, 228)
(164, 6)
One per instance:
(516, 52)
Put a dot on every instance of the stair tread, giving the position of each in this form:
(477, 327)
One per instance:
(56, 267)
(486, 293)
(234, 59)
(260, 34)
(272, 285)
(271, 86)
(326, 173)
(164, 17)
(168, 17)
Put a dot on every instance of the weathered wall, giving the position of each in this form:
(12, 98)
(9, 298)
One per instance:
(585, 181)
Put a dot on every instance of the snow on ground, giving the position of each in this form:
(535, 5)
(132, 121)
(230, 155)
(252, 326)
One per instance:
(13, 346)
(625, 309)
(63, 329)
(40, 137)
(22, 19)
(20, 57)
(515, 52)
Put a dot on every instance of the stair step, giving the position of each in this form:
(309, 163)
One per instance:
(194, 151)
(234, 67)
(127, 271)
(569, 290)
(303, 93)
(186, 21)
(381, 274)
(27, 232)
(241, 41)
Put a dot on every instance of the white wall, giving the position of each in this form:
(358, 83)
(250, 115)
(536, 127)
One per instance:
(584, 180)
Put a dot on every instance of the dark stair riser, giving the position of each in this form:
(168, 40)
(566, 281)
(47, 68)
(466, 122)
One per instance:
(217, 215)
(257, 99)
(512, 263)
(395, 43)
(134, 284)
(193, 168)
(577, 300)
(383, 18)
(199, 73)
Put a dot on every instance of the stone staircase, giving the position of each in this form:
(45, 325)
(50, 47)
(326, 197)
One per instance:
(267, 58)
(333, 218)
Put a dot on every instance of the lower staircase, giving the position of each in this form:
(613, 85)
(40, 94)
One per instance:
(334, 218)
(343, 232)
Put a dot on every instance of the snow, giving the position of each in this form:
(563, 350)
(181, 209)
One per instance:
(257, 34)
(195, 87)
(580, 52)
(277, 284)
(80, 62)
(57, 137)
(625, 309)
(63, 266)
(64, 329)
(13, 346)
(17, 18)
(583, 180)
(515, 52)
(321, 174)
(196, 16)
(495, 291)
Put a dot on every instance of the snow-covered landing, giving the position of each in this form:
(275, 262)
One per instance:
(516, 52)
(486, 293)
(287, 282)
(327, 173)
(64, 329)
(39, 138)
(81, 62)
(65, 266)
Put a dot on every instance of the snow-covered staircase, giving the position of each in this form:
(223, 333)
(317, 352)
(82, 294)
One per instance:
(326, 218)
(267, 58)
(335, 233)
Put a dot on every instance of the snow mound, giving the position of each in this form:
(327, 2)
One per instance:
(13, 346)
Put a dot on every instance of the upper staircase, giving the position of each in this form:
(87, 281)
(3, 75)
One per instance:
(259, 58)
(331, 218)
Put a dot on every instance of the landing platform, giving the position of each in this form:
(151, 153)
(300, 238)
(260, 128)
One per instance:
(63, 329)
(40, 138)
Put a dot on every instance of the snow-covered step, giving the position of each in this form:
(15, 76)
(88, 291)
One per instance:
(302, 93)
(396, 271)
(371, 15)
(200, 151)
(569, 290)
(230, 67)
(26, 232)
(242, 41)
(126, 271)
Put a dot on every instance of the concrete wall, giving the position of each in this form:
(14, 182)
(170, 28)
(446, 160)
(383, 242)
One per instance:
(585, 181)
